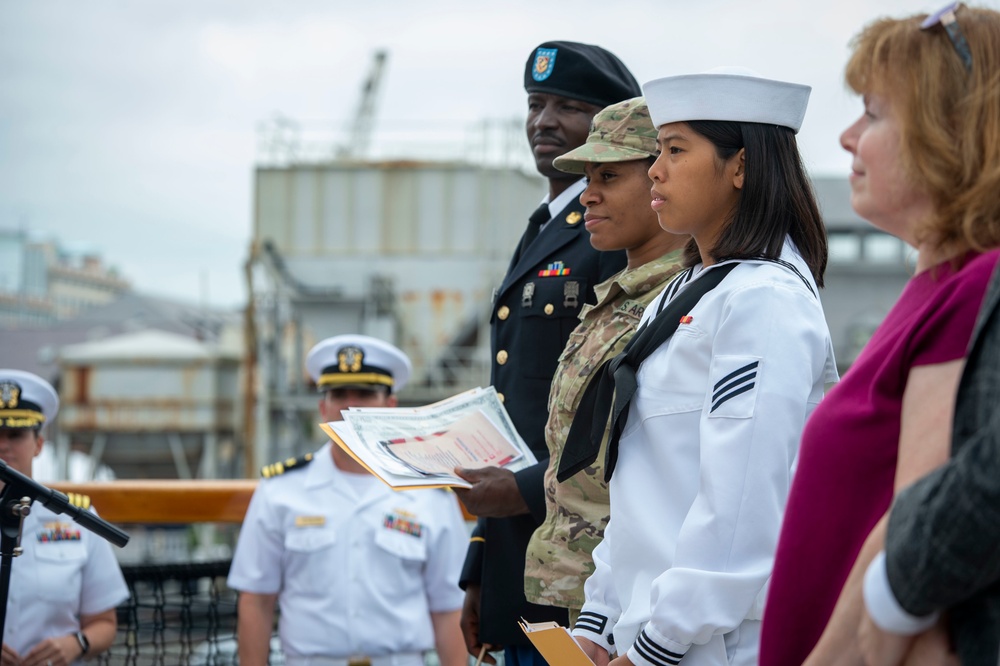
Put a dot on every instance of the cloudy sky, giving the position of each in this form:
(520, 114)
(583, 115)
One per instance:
(130, 129)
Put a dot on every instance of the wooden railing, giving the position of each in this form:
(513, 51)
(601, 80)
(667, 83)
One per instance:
(167, 502)
(170, 501)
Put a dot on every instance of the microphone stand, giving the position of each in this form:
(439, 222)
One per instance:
(18, 493)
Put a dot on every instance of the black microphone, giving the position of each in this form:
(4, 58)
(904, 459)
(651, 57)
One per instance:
(21, 485)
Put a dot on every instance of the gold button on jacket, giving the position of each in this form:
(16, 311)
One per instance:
(502, 356)
(503, 312)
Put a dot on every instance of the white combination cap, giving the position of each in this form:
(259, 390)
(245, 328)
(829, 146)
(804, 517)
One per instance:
(358, 361)
(26, 400)
(726, 93)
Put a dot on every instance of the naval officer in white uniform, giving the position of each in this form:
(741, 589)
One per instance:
(363, 575)
(65, 586)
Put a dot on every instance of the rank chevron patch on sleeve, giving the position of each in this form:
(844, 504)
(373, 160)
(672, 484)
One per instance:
(736, 383)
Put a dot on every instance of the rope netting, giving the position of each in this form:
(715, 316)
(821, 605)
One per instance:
(177, 615)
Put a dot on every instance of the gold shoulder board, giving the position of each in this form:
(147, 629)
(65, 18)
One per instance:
(279, 468)
(78, 500)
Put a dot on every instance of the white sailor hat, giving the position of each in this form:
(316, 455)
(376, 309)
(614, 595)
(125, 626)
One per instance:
(26, 400)
(727, 93)
(357, 361)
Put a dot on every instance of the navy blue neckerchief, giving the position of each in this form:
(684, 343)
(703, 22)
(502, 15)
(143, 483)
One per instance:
(614, 385)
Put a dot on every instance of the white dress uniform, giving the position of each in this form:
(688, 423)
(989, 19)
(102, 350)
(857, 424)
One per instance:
(704, 467)
(358, 568)
(66, 571)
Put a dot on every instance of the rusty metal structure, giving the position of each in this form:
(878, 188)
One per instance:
(150, 404)
(407, 251)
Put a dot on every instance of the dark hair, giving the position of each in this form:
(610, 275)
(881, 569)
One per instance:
(776, 201)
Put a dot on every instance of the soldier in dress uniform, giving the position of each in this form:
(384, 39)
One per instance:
(65, 586)
(364, 575)
(551, 276)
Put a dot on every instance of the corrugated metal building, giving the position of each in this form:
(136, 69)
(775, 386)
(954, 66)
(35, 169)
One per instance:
(406, 251)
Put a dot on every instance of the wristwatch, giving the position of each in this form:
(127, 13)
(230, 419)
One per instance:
(81, 638)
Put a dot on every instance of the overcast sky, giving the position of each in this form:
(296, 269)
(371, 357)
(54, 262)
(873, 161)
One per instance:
(130, 128)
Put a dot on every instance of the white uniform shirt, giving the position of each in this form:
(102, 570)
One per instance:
(705, 465)
(357, 566)
(565, 198)
(66, 571)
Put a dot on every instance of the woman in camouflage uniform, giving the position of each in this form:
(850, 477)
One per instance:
(619, 150)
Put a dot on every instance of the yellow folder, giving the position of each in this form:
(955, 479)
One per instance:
(555, 643)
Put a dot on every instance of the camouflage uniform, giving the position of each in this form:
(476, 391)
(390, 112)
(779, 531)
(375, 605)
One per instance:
(558, 557)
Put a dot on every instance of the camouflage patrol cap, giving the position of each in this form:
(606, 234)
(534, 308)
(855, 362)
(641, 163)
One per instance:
(620, 133)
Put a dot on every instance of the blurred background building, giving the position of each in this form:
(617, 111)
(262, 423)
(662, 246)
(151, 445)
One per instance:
(42, 282)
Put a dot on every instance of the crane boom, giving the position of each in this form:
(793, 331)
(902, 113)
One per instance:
(364, 118)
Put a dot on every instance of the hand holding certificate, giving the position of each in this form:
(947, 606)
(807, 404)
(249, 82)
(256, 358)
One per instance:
(420, 447)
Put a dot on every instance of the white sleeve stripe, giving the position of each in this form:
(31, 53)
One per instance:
(746, 368)
(592, 622)
(733, 384)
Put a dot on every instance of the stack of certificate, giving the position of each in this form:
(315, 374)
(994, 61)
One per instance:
(419, 447)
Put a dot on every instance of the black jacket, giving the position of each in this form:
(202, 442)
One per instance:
(943, 540)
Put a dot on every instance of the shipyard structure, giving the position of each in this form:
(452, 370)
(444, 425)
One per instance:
(405, 251)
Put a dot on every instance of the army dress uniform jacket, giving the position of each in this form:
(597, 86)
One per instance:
(535, 309)
(358, 567)
(66, 571)
(704, 467)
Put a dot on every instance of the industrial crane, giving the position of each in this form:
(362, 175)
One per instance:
(356, 146)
